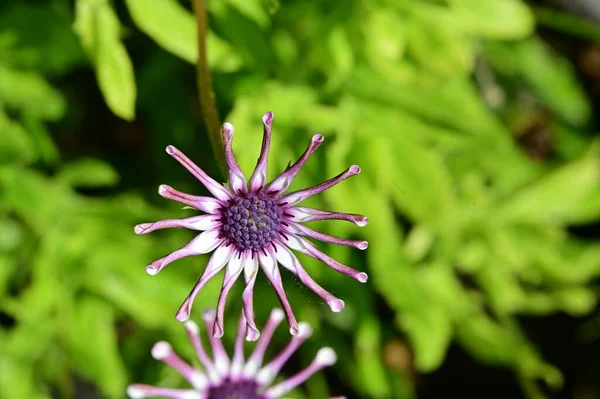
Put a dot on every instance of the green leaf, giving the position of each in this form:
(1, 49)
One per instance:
(426, 321)
(168, 24)
(385, 35)
(51, 48)
(589, 208)
(11, 235)
(502, 288)
(88, 172)
(148, 302)
(555, 81)
(418, 242)
(341, 60)
(174, 29)
(422, 187)
(16, 145)
(565, 22)
(486, 339)
(550, 75)
(99, 30)
(18, 379)
(93, 346)
(44, 144)
(370, 371)
(506, 19)
(575, 300)
(248, 38)
(548, 200)
(252, 9)
(430, 330)
(439, 48)
(7, 264)
(448, 102)
(29, 92)
(398, 163)
(21, 189)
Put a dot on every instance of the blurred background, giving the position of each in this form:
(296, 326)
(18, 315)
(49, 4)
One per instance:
(474, 122)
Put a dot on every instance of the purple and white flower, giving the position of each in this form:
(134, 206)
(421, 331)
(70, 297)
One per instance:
(236, 377)
(252, 224)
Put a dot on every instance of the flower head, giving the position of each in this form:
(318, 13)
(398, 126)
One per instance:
(235, 378)
(252, 224)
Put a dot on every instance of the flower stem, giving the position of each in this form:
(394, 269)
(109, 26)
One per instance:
(206, 94)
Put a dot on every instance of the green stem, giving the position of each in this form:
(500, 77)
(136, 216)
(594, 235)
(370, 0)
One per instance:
(205, 89)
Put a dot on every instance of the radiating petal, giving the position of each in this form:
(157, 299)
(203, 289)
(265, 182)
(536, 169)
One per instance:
(202, 222)
(218, 260)
(232, 272)
(204, 204)
(237, 362)
(267, 374)
(290, 262)
(211, 185)
(164, 352)
(304, 246)
(237, 180)
(201, 244)
(259, 176)
(304, 214)
(325, 357)
(283, 181)
(222, 362)
(301, 195)
(298, 229)
(250, 273)
(268, 264)
(193, 333)
(139, 391)
(255, 360)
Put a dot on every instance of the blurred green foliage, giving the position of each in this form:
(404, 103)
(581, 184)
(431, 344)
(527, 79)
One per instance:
(467, 227)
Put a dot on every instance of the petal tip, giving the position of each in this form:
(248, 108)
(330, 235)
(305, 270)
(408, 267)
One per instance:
(161, 350)
(171, 150)
(209, 315)
(318, 138)
(141, 228)
(268, 118)
(354, 169)
(252, 335)
(134, 392)
(163, 189)
(184, 314)
(294, 330)
(191, 395)
(304, 330)
(326, 357)
(336, 305)
(191, 326)
(228, 130)
(277, 315)
(217, 331)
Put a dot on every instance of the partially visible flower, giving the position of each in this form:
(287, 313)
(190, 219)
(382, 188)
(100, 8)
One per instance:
(247, 225)
(235, 378)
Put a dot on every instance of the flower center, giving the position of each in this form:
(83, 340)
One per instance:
(235, 390)
(251, 220)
